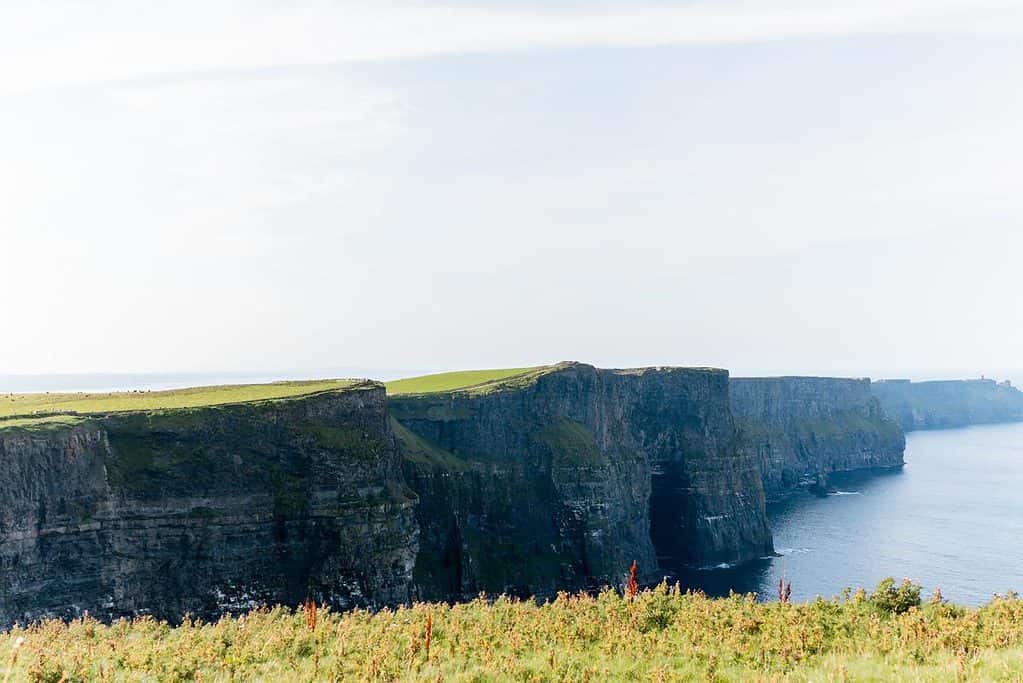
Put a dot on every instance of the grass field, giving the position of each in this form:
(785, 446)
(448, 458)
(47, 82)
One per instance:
(661, 635)
(451, 381)
(89, 403)
(26, 407)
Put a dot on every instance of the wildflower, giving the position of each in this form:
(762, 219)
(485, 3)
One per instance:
(784, 591)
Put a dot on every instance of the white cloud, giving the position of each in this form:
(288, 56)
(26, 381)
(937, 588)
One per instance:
(78, 42)
(849, 200)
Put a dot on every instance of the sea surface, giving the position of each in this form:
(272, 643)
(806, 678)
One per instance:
(951, 518)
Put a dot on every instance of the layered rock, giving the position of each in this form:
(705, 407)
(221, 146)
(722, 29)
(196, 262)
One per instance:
(206, 511)
(561, 478)
(802, 428)
(949, 403)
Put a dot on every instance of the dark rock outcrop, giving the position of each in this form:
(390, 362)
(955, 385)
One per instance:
(560, 479)
(949, 403)
(206, 511)
(802, 428)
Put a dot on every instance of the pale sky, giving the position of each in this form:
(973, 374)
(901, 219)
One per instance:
(770, 187)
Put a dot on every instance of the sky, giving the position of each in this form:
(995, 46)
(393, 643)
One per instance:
(259, 187)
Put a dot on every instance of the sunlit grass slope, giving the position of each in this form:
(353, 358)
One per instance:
(452, 381)
(197, 397)
(663, 635)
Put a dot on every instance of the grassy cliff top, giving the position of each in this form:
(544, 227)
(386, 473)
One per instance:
(465, 380)
(486, 381)
(35, 406)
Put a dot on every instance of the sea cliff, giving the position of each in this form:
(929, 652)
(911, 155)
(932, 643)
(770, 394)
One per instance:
(561, 478)
(949, 403)
(205, 511)
(802, 428)
(549, 479)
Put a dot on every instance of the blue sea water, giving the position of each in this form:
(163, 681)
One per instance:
(951, 518)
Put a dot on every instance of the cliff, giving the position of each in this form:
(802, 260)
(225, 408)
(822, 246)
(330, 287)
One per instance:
(205, 510)
(952, 403)
(802, 428)
(561, 477)
(532, 482)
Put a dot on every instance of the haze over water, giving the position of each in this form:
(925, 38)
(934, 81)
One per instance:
(951, 518)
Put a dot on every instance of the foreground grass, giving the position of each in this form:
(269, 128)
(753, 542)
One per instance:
(196, 397)
(452, 381)
(663, 635)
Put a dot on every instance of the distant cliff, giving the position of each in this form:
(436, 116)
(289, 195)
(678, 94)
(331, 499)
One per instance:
(951, 403)
(561, 478)
(205, 510)
(800, 428)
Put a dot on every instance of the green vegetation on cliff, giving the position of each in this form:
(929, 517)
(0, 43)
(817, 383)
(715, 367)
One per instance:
(481, 380)
(572, 443)
(418, 450)
(40, 423)
(661, 635)
(25, 407)
(845, 425)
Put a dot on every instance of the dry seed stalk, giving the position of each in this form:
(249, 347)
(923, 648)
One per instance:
(429, 633)
(632, 588)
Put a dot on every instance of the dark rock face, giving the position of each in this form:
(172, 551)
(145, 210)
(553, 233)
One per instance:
(952, 403)
(707, 500)
(561, 483)
(802, 428)
(206, 511)
(557, 481)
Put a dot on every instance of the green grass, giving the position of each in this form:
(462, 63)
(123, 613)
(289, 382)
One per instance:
(40, 423)
(663, 635)
(454, 381)
(420, 451)
(38, 404)
(572, 443)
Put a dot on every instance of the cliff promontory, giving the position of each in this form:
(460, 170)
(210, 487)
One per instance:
(205, 510)
(802, 428)
(949, 403)
(560, 477)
